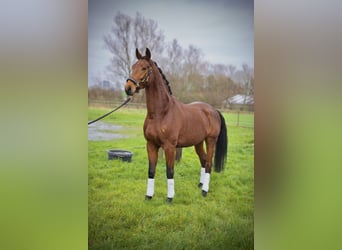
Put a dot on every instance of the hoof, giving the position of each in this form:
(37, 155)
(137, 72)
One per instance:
(204, 193)
(169, 200)
(148, 197)
(200, 185)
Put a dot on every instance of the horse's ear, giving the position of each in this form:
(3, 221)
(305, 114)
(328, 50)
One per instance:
(137, 53)
(148, 54)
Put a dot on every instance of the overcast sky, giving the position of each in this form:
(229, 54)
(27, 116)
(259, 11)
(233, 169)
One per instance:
(222, 29)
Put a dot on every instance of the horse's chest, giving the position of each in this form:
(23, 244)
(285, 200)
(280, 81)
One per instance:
(155, 131)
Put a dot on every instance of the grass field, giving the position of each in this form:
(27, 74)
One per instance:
(120, 218)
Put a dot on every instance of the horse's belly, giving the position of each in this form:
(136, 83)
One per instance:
(191, 137)
(182, 144)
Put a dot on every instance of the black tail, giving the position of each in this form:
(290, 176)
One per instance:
(221, 146)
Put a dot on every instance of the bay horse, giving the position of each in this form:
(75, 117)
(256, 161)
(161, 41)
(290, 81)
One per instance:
(171, 124)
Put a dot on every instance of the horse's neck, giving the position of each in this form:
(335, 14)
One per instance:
(157, 97)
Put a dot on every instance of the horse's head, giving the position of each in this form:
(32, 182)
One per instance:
(141, 72)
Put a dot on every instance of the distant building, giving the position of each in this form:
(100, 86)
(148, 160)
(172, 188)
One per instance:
(240, 102)
(106, 84)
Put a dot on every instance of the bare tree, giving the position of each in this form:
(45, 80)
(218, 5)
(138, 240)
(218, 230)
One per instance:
(175, 58)
(248, 80)
(231, 70)
(147, 34)
(220, 69)
(118, 43)
(191, 74)
(126, 34)
(218, 85)
(193, 56)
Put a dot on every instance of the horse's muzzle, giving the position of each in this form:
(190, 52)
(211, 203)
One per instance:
(130, 87)
(131, 92)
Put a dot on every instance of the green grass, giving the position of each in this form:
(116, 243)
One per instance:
(120, 218)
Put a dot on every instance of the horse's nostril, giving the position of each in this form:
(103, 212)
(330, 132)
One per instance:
(128, 91)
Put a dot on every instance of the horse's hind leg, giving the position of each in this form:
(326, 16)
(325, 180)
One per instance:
(202, 157)
(210, 145)
(152, 152)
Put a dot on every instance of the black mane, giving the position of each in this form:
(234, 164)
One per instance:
(164, 78)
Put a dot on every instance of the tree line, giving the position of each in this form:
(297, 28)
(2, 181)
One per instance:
(190, 76)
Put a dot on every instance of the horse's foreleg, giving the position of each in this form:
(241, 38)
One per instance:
(170, 161)
(152, 152)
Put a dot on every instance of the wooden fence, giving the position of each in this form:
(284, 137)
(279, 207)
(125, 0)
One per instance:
(238, 118)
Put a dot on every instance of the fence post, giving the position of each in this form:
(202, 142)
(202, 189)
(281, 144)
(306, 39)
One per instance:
(238, 118)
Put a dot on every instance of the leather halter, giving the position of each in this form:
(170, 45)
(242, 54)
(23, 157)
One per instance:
(144, 80)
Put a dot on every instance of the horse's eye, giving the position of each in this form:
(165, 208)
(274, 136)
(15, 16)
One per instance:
(143, 68)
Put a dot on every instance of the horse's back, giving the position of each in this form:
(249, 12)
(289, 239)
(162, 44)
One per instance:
(204, 109)
(200, 106)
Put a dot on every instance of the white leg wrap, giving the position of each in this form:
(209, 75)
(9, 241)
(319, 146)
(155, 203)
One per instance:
(206, 182)
(202, 175)
(150, 187)
(170, 188)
